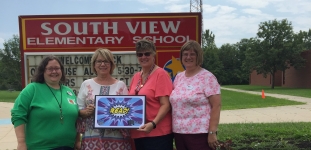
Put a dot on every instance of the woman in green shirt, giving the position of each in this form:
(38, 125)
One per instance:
(45, 112)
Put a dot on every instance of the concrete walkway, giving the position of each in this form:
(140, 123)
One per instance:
(7, 134)
(294, 113)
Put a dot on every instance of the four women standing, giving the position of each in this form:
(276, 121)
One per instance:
(195, 100)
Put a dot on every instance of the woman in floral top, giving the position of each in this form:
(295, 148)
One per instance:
(195, 102)
(103, 84)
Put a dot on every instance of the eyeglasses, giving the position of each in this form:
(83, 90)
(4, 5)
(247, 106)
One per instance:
(99, 62)
(141, 54)
(52, 69)
(191, 54)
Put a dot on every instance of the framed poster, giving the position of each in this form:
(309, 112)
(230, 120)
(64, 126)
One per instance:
(119, 111)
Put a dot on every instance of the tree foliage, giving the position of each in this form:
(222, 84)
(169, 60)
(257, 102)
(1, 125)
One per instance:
(224, 62)
(211, 60)
(276, 47)
(208, 39)
(10, 66)
(231, 58)
(242, 47)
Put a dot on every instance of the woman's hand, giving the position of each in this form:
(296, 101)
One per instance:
(21, 146)
(77, 146)
(148, 127)
(212, 141)
(88, 111)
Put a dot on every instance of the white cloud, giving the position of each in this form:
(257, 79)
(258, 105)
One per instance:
(295, 7)
(209, 8)
(178, 8)
(300, 23)
(159, 2)
(252, 3)
(230, 25)
(252, 11)
(225, 10)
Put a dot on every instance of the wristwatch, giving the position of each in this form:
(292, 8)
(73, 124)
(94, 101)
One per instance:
(211, 132)
(154, 125)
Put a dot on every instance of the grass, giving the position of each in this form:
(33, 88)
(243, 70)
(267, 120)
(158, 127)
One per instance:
(254, 135)
(230, 100)
(276, 90)
(7, 96)
(236, 100)
(267, 135)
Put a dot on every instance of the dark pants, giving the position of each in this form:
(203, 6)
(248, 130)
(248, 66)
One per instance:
(164, 142)
(63, 148)
(191, 141)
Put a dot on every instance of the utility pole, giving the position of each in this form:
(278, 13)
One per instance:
(196, 6)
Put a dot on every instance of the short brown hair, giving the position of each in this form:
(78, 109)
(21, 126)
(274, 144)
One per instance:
(196, 47)
(39, 74)
(107, 55)
(145, 44)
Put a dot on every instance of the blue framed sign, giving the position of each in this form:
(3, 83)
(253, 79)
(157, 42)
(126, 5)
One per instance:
(119, 111)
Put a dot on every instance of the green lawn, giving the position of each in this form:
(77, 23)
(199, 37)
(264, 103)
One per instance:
(285, 136)
(7, 96)
(230, 100)
(276, 90)
(237, 100)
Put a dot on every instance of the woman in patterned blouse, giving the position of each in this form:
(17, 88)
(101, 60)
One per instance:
(102, 64)
(195, 101)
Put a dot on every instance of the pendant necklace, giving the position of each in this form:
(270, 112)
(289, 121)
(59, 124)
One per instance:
(140, 83)
(59, 104)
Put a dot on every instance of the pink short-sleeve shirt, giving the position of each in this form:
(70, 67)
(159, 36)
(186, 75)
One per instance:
(158, 84)
(190, 104)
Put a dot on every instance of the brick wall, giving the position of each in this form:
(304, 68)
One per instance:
(299, 78)
(258, 79)
(290, 78)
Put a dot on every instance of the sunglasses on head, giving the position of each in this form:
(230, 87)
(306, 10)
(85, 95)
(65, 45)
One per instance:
(141, 54)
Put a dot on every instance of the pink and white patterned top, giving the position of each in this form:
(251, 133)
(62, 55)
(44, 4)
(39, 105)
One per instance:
(189, 99)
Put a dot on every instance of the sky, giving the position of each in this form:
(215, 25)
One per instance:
(229, 20)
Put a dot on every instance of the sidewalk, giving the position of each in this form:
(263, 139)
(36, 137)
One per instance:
(294, 113)
(7, 134)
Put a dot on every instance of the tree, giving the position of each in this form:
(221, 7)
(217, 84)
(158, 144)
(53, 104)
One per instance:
(208, 39)
(276, 47)
(230, 57)
(212, 63)
(242, 47)
(306, 39)
(10, 63)
(211, 60)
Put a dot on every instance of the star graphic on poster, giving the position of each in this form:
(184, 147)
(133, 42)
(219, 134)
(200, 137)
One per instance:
(175, 66)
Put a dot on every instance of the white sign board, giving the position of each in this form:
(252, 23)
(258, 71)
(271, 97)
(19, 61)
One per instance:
(78, 66)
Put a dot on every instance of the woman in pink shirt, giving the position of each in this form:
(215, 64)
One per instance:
(195, 101)
(153, 82)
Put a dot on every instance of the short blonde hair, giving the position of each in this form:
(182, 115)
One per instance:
(107, 55)
(196, 47)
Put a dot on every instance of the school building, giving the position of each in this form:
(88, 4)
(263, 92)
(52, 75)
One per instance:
(291, 77)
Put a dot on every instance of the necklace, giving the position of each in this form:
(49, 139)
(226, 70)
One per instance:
(140, 83)
(59, 104)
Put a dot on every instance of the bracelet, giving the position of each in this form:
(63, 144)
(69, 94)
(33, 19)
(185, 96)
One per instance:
(154, 125)
(211, 132)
